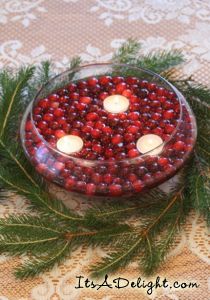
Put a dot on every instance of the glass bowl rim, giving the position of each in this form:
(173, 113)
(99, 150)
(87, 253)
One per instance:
(180, 98)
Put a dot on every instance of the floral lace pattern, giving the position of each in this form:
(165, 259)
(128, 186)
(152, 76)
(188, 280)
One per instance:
(20, 11)
(150, 11)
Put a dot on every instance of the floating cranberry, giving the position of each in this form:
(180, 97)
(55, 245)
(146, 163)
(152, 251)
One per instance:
(179, 146)
(42, 125)
(138, 185)
(168, 114)
(92, 116)
(48, 117)
(127, 93)
(117, 139)
(95, 133)
(97, 148)
(133, 153)
(115, 189)
(169, 128)
(104, 80)
(58, 112)
(43, 103)
(90, 189)
(59, 133)
(92, 81)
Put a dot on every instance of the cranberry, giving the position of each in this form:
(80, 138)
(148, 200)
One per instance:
(48, 117)
(58, 112)
(115, 189)
(43, 103)
(133, 116)
(92, 116)
(81, 106)
(168, 114)
(92, 81)
(179, 146)
(72, 87)
(97, 148)
(128, 137)
(59, 133)
(132, 129)
(117, 79)
(95, 133)
(108, 178)
(138, 185)
(127, 93)
(151, 86)
(42, 125)
(29, 126)
(59, 166)
(90, 189)
(85, 100)
(104, 80)
(133, 153)
(97, 178)
(116, 139)
(109, 152)
(169, 128)
(163, 161)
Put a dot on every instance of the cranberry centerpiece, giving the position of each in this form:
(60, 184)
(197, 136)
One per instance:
(108, 130)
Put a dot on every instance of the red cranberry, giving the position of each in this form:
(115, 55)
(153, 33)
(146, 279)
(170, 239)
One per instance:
(168, 114)
(97, 178)
(95, 133)
(109, 152)
(108, 178)
(127, 93)
(92, 81)
(92, 116)
(42, 125)
(115, 189)
(58, 112)
(163, 161)
(97, 148)
(116, 139)
(104, 80)
(179, 146)
(85, 100)
(48, 117)
(43, 103)
(138, 185)
(90, 188)
(29, 126)
(133, 153)
(132, 129)
(59, 133)
(169, 128)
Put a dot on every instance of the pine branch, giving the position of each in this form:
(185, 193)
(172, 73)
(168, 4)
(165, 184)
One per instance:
(36, 266)
(136, 242)
(127, 52)
(160, 61)
(198, 189)
(12, 87)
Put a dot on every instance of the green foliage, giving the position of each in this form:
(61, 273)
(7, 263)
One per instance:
(50, 236)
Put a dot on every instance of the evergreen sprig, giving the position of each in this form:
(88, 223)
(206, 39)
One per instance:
(50, 235)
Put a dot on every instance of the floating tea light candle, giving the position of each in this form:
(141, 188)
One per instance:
(149, 142)
(116, 104)
(70, 144)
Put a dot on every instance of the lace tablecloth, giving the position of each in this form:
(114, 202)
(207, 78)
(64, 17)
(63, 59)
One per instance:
(31, 31)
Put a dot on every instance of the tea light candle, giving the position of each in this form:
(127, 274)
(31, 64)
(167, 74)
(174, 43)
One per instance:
(116, 104)
(70, 144)
(148, 142)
